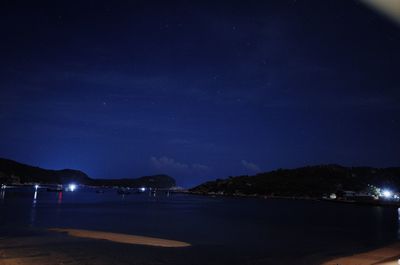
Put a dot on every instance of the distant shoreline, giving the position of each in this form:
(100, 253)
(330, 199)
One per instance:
(379, 203)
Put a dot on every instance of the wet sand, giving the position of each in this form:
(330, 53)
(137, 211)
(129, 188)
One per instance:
(123, 238)
(388, 255)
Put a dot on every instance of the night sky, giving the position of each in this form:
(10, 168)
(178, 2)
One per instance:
(198, 90)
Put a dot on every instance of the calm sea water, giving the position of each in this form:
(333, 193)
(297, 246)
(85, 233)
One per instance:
(254, 230)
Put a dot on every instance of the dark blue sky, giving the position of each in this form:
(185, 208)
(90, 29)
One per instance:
(197, 89)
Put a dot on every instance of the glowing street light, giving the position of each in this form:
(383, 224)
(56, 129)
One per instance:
(387, 194)
(72, 187)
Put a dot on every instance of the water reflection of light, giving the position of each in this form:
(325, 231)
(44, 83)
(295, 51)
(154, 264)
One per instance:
(398, 223)
(152, 192)
(2, 194)
(33, 209)
(34, 197)
(59, 200)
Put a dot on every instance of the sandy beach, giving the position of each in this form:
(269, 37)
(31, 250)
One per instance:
(122, 238)
(44, 247)
(79, 247)
(388, 255)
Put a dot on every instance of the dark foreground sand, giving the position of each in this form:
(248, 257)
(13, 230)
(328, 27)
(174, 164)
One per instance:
(44, 247)
(51, 248)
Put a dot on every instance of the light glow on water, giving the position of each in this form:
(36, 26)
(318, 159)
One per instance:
(34, 197)
(59, 197)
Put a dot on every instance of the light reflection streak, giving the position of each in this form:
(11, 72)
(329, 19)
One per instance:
(33, 210)
(59, 198)
(34, 198)
(2, 194)
(398, 223)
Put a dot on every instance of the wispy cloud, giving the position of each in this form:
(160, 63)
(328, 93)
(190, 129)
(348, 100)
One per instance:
(169, 164)
(200, 167)
(250, 166)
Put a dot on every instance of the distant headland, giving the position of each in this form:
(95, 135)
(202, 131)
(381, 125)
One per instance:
(12, 172)
(330, 182)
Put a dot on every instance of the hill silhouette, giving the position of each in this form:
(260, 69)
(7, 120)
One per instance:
(18, 173)
(305, 181)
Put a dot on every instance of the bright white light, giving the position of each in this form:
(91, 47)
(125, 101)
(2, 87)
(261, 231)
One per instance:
(142, 189)
(72, 187)
(387, 193)
(36, 187)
